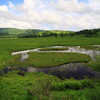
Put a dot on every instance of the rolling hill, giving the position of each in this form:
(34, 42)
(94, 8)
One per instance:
(11, 32)
(29, 33)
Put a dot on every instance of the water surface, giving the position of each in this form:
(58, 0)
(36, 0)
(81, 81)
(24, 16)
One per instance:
(76, 49)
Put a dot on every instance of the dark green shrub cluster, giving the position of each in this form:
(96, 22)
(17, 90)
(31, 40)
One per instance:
(73, 84)
(88, 32)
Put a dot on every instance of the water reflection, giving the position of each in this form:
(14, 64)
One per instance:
(76, 70)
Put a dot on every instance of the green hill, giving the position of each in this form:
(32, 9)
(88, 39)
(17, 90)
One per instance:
(29, 33)
(14, 32)
(11, 32)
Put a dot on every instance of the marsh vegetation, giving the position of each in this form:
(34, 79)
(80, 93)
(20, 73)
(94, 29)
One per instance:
(20, 85)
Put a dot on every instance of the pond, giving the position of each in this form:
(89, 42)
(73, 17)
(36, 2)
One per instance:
(76, 70)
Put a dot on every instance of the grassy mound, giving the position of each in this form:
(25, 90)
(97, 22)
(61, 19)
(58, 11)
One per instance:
(47, 59)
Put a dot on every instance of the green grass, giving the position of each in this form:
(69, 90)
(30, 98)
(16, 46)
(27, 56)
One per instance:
(72, 84)
(48, 59)
(7, 46)
(53, 49)
(39, 86)
(35, 86)
(15, 87)
(95, 64)
(90, 47)
(17, 44)
(86, 94)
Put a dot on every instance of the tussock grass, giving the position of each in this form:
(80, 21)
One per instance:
(46, 87)
(72, 84)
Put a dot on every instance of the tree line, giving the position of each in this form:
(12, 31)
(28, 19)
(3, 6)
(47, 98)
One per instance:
(47, 34)
(88, 32)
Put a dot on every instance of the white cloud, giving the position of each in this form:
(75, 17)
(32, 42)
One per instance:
(60, 14)
(95, 5)
(72, 6)
(3, 8)
(14, 23)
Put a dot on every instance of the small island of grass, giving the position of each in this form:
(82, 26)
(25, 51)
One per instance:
(48, 59)
(53, 49)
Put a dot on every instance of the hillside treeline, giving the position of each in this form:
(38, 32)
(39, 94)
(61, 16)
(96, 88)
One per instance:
(84, 33)
(34, 33)
(47, 34)
(89, 32)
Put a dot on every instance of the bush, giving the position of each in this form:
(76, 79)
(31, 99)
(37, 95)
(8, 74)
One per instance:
(73, 84)
(41, 87)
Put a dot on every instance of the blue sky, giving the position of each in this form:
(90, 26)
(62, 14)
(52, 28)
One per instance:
(82, 0)
(5, 2)
(50, 14)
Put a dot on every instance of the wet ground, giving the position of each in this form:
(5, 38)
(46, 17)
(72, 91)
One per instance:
(76, 70)
(77, 49)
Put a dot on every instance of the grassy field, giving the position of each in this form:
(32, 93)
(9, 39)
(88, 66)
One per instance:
(7, 46)
(90, 47)
(39, 86)
(10, 45)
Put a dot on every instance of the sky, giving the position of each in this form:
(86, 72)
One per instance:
(69, 15)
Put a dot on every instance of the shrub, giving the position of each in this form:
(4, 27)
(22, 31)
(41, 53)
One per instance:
(73, 84)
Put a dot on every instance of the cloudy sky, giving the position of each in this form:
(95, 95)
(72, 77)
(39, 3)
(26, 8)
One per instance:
(50, 14)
